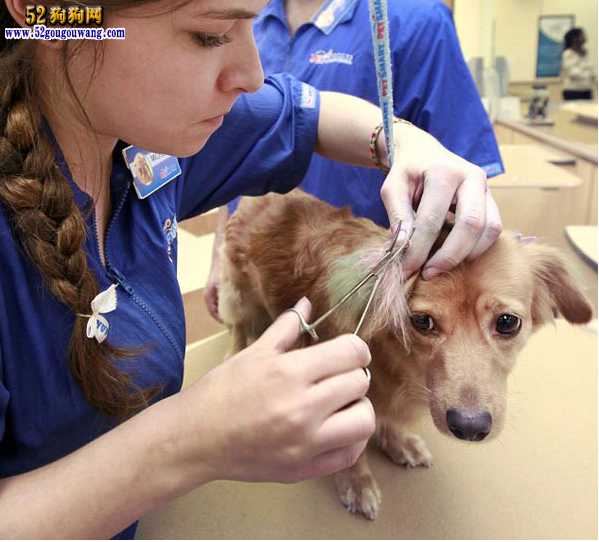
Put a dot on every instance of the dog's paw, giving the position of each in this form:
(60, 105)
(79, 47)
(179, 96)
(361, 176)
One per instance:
(409, 451)
(360, 494)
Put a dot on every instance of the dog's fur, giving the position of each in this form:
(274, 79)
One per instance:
(280, 248)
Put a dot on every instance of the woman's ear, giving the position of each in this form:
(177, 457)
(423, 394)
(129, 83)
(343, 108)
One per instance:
(556, 290)
(18, 11)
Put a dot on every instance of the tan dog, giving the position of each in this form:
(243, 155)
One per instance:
(451, 348)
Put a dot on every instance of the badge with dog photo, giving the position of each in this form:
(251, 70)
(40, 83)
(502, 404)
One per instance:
(150, 170)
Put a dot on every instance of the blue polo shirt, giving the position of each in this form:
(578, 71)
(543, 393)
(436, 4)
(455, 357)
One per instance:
(265, 144)
(432, 85)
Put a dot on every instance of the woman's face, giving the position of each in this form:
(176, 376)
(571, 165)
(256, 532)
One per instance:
(580, 40)
(167, 85)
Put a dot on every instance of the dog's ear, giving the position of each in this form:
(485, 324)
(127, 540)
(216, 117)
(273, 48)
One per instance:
(555, 288)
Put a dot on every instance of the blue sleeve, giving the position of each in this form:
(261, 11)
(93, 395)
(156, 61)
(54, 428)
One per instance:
(4, 396)
(435, 90)
(265, 145)
(3, 402)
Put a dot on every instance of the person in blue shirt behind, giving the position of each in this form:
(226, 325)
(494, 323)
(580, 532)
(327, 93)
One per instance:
(94, 430)
(329, 45)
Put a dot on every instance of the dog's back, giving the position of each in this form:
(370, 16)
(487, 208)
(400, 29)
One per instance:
(278, 248)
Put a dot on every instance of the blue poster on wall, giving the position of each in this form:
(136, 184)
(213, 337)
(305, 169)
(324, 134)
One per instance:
(551, 43)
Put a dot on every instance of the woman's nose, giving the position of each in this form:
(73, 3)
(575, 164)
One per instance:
(244, 71)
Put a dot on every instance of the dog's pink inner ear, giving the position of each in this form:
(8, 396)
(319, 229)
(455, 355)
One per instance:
(560, 290)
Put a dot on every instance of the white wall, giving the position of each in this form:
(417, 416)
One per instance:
(510, 28)
(467, 17)
(516, 35)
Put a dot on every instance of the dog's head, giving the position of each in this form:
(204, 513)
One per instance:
(468, 326)
(456, 337)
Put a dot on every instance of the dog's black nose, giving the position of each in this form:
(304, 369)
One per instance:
(469, 426)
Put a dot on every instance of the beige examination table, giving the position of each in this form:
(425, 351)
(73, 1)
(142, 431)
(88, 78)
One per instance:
(537, 480)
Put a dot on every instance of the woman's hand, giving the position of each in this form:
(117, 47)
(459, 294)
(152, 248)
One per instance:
(427, 177)
(263, 415)
(268, 414)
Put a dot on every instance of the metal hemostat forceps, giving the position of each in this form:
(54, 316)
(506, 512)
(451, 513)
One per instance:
(376, 273)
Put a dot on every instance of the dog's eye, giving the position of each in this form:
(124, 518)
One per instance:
(508, 324)
(422, 322)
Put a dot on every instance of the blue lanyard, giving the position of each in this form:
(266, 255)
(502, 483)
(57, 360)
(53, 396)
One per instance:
(379, 19)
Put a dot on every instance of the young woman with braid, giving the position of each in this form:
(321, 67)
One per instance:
(95, 434)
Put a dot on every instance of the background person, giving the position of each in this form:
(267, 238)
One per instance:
(577, 72)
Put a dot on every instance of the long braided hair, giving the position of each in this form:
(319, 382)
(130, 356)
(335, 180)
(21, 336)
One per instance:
(48, 224)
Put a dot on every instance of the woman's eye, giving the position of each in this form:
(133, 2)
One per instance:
(422, 322)
(209, 41)
(508, 324)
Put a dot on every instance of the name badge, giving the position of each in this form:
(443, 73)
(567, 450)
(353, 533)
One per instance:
(150, 170)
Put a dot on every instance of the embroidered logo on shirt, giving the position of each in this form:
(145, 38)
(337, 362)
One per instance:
(331, 57)
(170, 230)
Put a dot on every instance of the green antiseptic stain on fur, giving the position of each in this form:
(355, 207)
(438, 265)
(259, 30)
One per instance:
(344, 274)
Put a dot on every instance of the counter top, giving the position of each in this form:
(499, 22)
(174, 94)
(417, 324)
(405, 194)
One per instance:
(569, 136)
(584, 239)
(529, 166)
(581, 108)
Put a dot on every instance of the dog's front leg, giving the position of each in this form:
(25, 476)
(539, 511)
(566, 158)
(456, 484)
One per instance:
(402, 446)
(358, 490)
